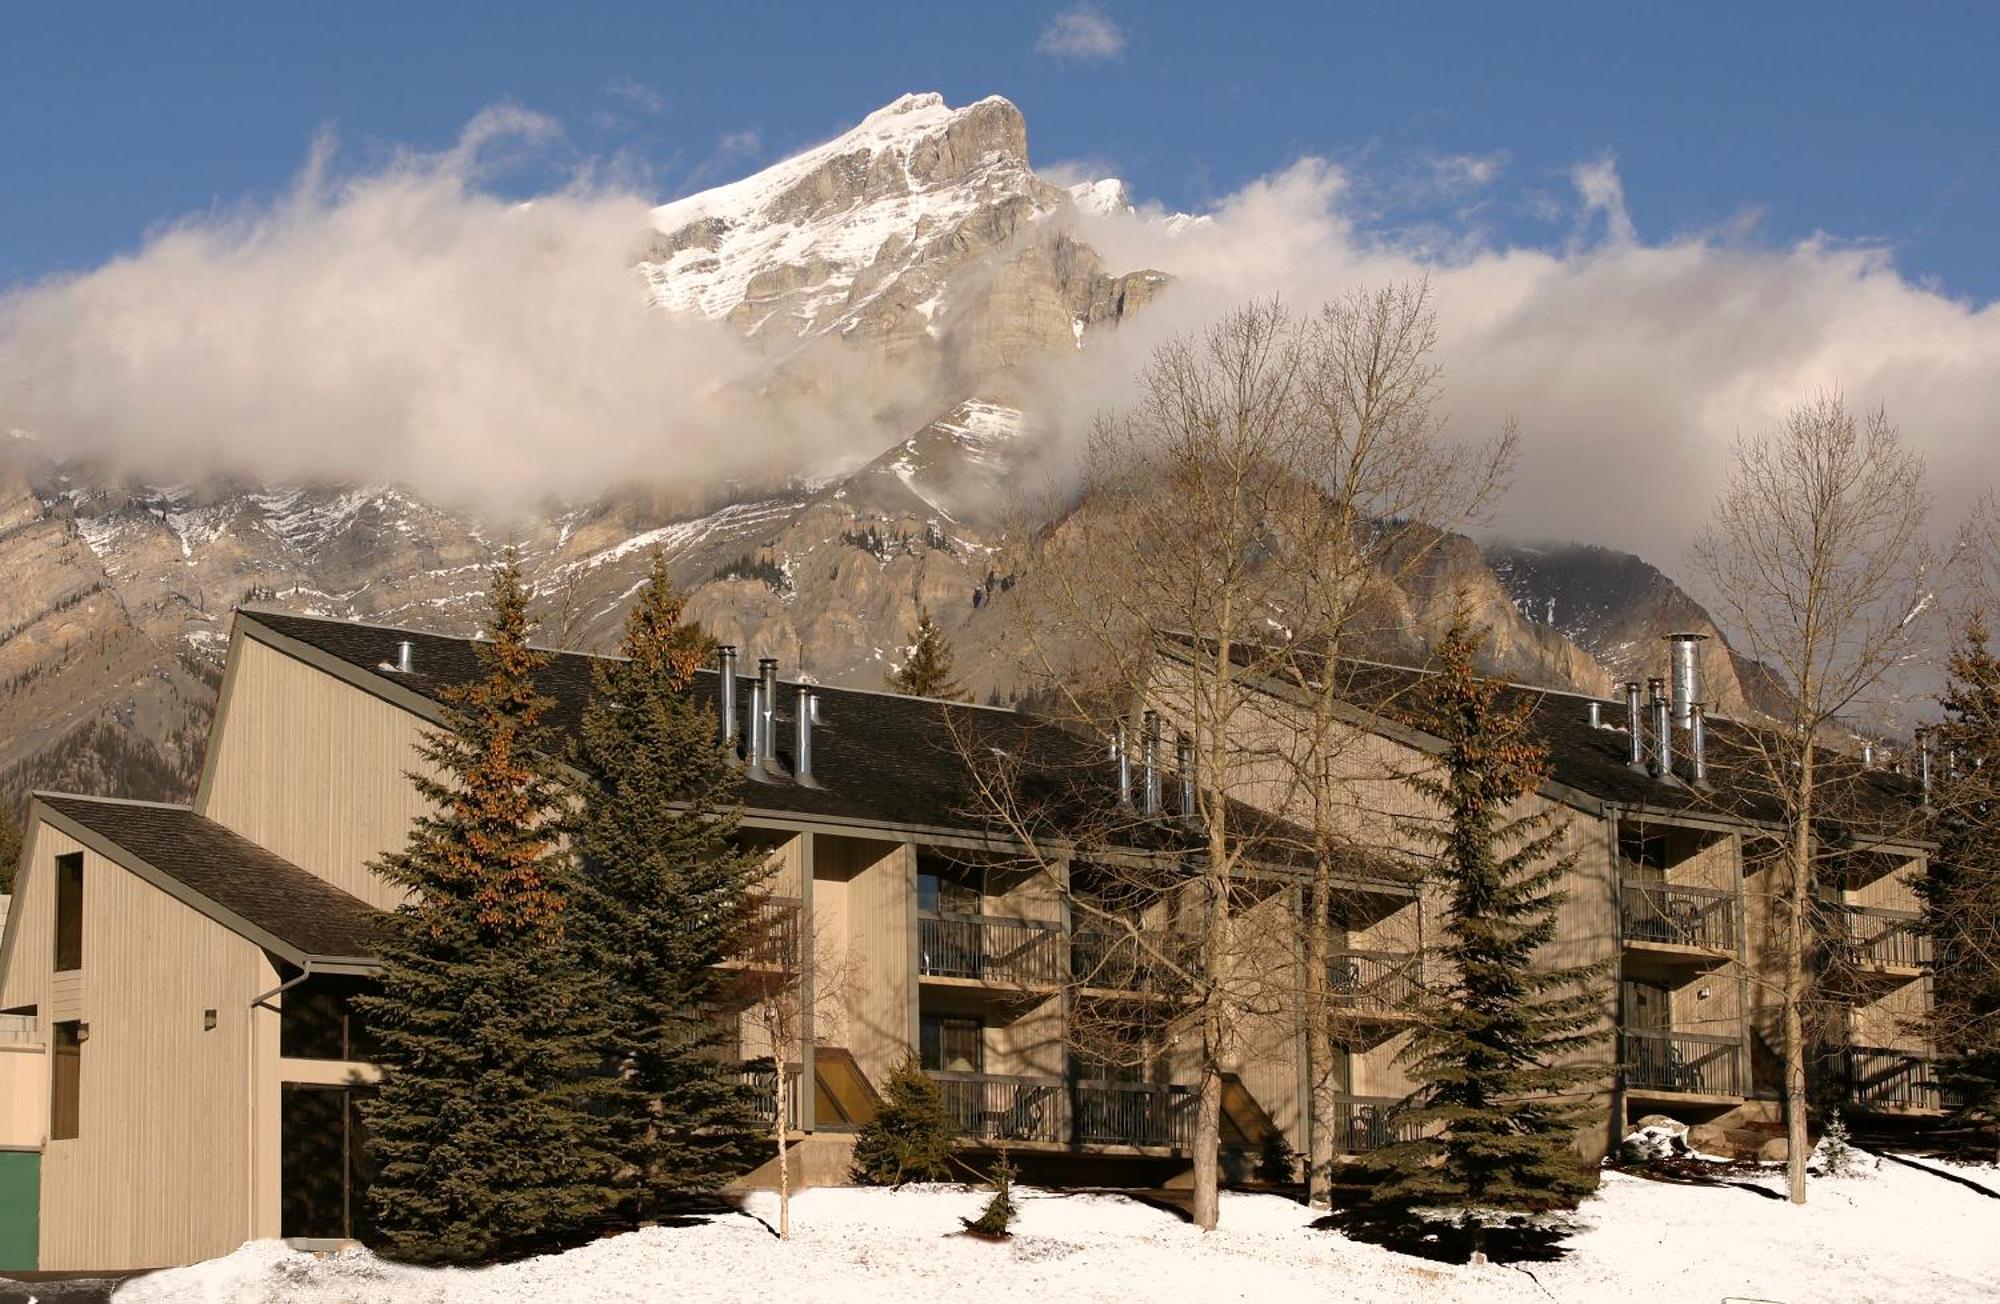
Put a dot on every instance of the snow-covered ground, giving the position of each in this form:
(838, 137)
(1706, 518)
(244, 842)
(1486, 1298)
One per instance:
(1890, 1233)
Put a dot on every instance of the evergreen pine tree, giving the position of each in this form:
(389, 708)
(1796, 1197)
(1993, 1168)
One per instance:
(664, 904)
(998, 1215)
(926, 672)
(483, 1131)
(1962, 889)
(1495, 1054)
(912, 1136)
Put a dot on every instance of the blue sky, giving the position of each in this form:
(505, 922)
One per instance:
(1868, 123)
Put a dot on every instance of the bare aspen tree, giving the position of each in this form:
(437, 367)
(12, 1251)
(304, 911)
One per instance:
(1173, 542)
(1375, 485)
(1816, 559)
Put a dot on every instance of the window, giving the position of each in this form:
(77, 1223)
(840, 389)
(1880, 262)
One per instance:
(66, 1081)
(1644, 854)
(952, 1044)
(943, 888)
(324, 1163)
(318, 1020)
(69, 912)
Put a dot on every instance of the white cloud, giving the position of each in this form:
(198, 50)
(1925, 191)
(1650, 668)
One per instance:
(739, 144)
(1631, 367)
(1082, 32)
(635, 94)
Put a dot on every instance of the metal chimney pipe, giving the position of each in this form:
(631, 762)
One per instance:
(1684, 664)
(1122, 754)
(1150, 760)
(1663, 740)
(767, 673)
(1698, 743)
(1867, 755)
(802, 747)
(406, 657)
(753, 748)
(1924, 740)
(1597, 715)
(1636, 725)
(1184, 754)
(725, 688)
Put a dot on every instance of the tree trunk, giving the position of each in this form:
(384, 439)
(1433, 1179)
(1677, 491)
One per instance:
(1800, 858)
(1321, 1050)
(1207, 1204)
(784, 1159)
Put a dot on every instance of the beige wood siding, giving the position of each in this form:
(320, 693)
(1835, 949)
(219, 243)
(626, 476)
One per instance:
(313, 769)
(864, 896)
(160, 1171)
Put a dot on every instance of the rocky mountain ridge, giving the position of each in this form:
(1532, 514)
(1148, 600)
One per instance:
(916, 260)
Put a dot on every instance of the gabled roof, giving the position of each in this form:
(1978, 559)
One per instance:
(254, 893)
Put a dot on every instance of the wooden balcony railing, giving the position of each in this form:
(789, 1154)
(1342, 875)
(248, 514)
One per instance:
(1871, 1077)
(1027, 952)
(1366, 1123)
(996, 1107)
(773, 932)
(761, 1077)
(1688, 1062)
(1133, 1113)
(1375, 982)
(1880, 938)
(1682, 916)
(1147, 962)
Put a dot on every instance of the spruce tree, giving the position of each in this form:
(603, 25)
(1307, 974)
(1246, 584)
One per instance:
(665, 904)
(1495, 1115)
(484, 1132)
(912, 1136)
(1962, 889)
(926, 672)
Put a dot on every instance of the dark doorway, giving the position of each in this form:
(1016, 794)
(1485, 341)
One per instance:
(325, 1163)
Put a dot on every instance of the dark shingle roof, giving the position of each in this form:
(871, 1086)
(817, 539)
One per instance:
(234, 877)
(879, 758)
(1594, 761)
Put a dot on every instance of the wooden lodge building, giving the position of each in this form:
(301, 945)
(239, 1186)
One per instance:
(182, 1066)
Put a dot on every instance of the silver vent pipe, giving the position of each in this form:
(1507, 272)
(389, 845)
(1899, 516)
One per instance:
(753, 749)
(802, 746)
(1184, 753)
(1867, 754)
(767, 675)
(1924, 739)
(1663, 740)
(1635, 724)
(1684, 664)
(725, 681)
(1121, 753)
(406, 658)
(1698, 743)
(1150, 761)
(1597, 715)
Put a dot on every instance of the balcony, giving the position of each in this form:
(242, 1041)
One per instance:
(988, 949)
(1362, 1124)
(760, 1077)
(1133, 1114)
(1668, 915)
(1889, 1081)
(1882, 942)
(1657, 1061)
(1132, 963)
(996, 1107)
(1378, 984)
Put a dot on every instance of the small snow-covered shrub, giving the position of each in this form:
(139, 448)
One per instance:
(998, 1215)
(1836, 1155)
